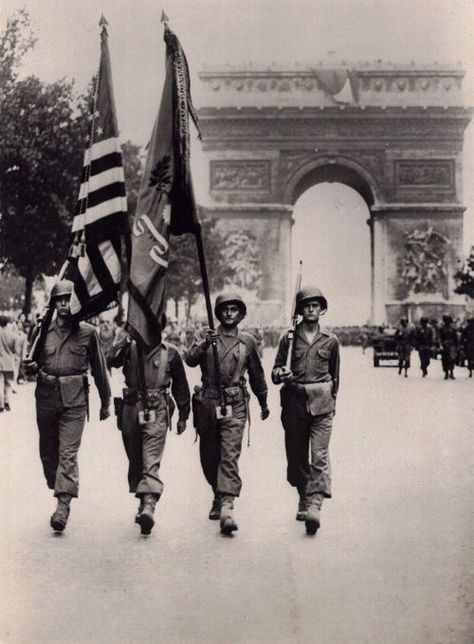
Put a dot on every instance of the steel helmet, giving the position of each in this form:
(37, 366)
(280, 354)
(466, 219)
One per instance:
(310, 293)
(230, 297)
(63, 287)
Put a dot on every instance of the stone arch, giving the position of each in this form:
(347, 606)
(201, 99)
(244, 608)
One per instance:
(270, 134)
(331, 169)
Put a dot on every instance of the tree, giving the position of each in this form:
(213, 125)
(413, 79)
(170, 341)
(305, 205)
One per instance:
(465, 276)
(42, 135)
(184, 274)
(15, 40)
(133, 171)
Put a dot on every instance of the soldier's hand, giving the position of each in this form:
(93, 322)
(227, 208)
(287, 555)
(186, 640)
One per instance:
(181, 426)
(286, 375)
(211, 336)
(104, 413)
(264, 413)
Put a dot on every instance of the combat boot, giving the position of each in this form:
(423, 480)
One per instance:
(215, 512)
(140, 509)
(312, 519)
(302, 506)
(228, 524)
(59, 519)
(145, 518)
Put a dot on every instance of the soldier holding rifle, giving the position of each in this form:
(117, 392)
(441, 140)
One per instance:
(309, 372)
(220, 423)
(144, 415)
(68, 349)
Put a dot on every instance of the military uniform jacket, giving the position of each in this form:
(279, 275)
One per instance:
(424, 337)
(238, 354)
(8, 349)
(157, 375)
(312, 364)
(68, 353)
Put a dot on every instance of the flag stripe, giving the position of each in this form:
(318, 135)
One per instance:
(99, 211)
(107, 192)
(101, 179)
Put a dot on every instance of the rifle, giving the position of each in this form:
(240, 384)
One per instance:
(294, 318)
(39, 336)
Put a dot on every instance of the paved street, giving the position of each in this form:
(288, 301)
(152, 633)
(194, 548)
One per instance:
(391, 564)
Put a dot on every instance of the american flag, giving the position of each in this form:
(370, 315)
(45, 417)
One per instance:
(101, 216)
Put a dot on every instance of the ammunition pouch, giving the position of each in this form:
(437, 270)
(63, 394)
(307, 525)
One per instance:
(205, 401)
(204, 411)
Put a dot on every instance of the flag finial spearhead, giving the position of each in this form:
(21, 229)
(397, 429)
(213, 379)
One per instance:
(164, 18)
(103, 22)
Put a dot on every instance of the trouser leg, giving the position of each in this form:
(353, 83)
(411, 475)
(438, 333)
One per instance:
(295, 422)
(8, 386)
(319, 484)
(132, 441)
(209, 453)
(47, 418)
(71, 426)
(153, 445)
(231, 431)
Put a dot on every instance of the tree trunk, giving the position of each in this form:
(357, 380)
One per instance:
(29, 281)
(176, 308)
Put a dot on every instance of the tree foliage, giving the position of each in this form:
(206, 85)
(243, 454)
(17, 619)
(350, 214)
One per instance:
(465, 277)
(15, 40)
(184, 276)
(42, 135)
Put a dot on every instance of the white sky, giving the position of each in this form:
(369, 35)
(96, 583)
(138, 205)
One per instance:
(217, 32)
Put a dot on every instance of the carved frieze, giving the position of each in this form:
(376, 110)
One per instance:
(236, 175)
(424, 265)
(425, 175)
(371, 161)
(318, 129)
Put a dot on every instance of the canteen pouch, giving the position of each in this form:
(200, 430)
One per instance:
(118, 410)
(319, 398)
(204, 413)
(73, 392)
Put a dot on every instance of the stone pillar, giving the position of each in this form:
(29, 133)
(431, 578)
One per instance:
(417, 248)
(270, 225)
(378, 243)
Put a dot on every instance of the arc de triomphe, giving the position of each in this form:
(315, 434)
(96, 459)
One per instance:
(393, 134)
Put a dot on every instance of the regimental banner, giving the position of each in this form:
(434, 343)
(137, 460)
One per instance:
(100, 222)
(166, 200)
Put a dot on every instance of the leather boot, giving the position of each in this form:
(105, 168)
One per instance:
(59, 519)
(146, 519)
(140, 510)
(228, 524)
(312, 519)
(302, 505)
(215, 512)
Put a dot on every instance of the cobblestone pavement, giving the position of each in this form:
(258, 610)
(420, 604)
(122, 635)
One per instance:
(391, 564)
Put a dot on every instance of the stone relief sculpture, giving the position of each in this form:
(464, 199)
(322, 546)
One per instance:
(424, 263)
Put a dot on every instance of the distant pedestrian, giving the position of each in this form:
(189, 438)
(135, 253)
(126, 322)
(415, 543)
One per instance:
(8, 349)
(448, 338)
(403, 337)
(107, 335)
(423, 338)
(467, 340)
(308, 400)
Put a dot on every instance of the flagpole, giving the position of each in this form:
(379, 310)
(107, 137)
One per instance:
(210, 317)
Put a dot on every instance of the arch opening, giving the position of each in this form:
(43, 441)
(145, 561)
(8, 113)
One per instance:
(331, 236)
(334, 172)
